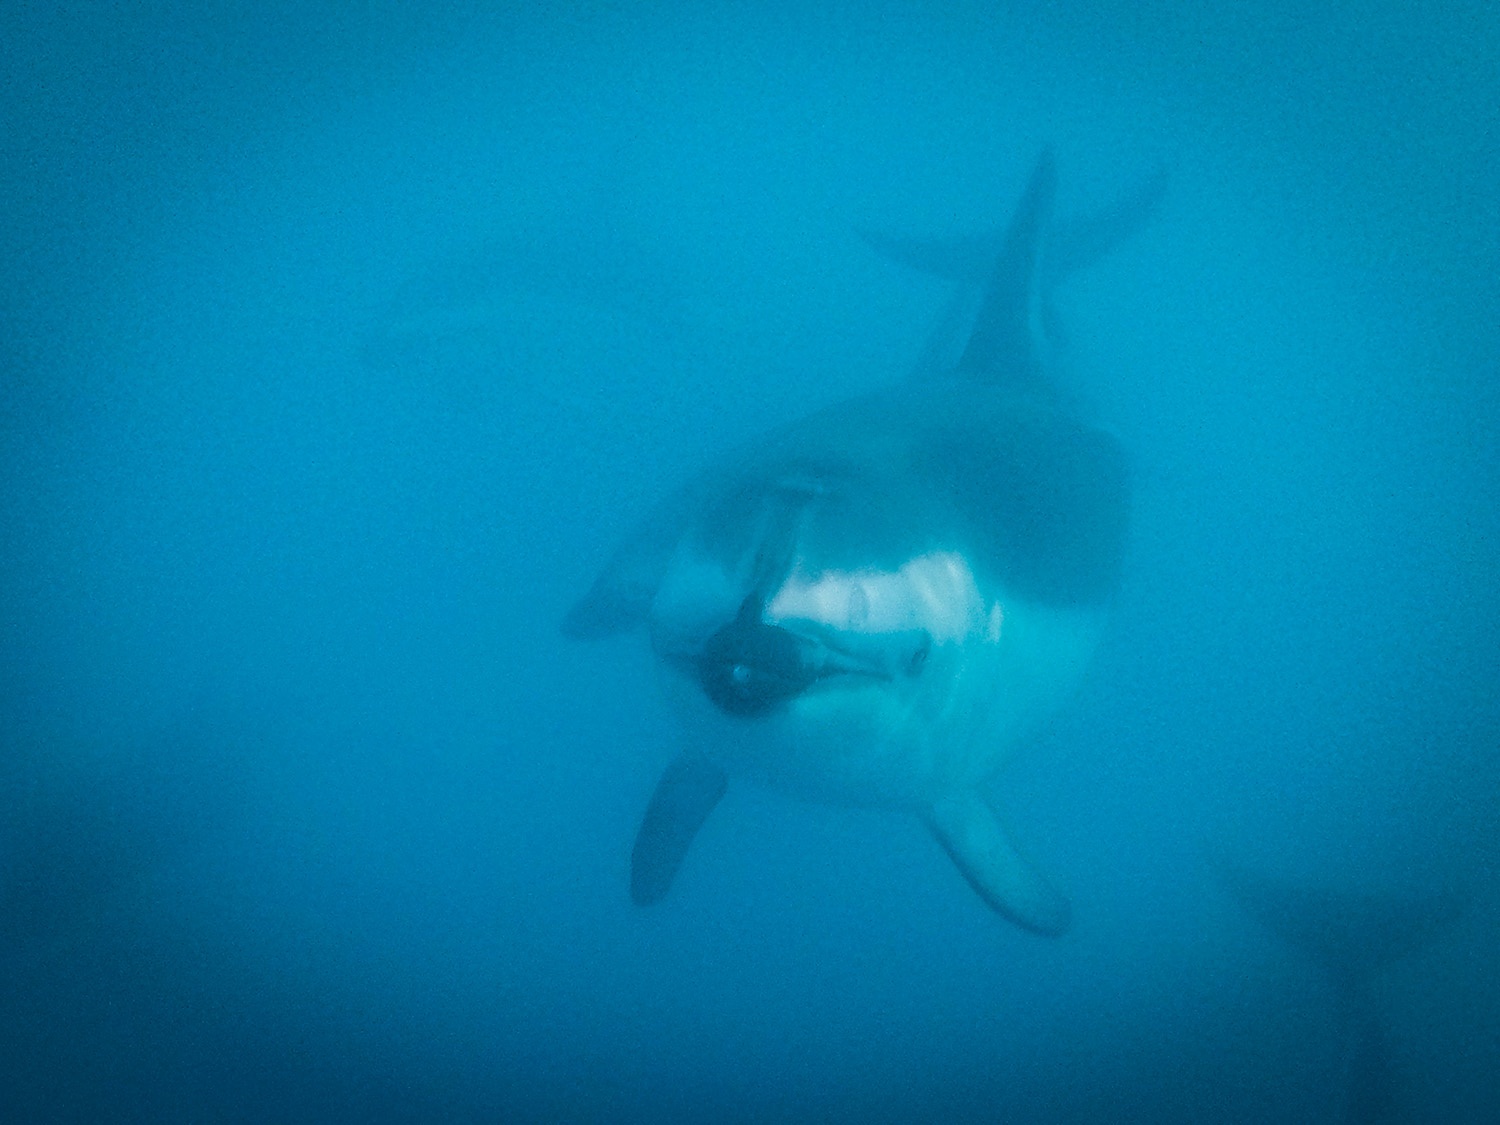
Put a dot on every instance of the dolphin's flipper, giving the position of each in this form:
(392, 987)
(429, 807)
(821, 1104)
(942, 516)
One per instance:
(685, 795)
(968, 830)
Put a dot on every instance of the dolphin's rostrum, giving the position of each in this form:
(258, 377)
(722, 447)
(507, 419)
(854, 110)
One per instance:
(876, 604)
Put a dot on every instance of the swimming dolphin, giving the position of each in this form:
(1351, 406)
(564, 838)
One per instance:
(875, 605)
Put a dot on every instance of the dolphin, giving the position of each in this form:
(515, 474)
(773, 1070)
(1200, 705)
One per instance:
(877, 604)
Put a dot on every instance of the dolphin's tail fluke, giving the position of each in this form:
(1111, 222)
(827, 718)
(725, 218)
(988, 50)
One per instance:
(1350, 935)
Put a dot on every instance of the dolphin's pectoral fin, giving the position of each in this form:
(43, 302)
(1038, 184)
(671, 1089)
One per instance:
(687, 792)
(969, 832)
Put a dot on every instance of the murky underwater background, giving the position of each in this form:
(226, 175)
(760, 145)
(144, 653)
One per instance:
(339, 343)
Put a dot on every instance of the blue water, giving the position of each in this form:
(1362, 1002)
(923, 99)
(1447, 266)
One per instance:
(340, 343)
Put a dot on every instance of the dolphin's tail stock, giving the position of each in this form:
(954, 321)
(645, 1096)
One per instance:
(1351, 936)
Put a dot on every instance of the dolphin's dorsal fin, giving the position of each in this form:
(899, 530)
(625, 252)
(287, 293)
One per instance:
(1003, 345)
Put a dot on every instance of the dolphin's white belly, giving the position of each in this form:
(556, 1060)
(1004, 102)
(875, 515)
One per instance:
(961, 674)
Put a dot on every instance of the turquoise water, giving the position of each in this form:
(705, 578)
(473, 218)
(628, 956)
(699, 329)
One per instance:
(340, 346)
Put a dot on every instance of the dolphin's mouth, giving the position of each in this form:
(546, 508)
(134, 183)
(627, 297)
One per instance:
(751, 666)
